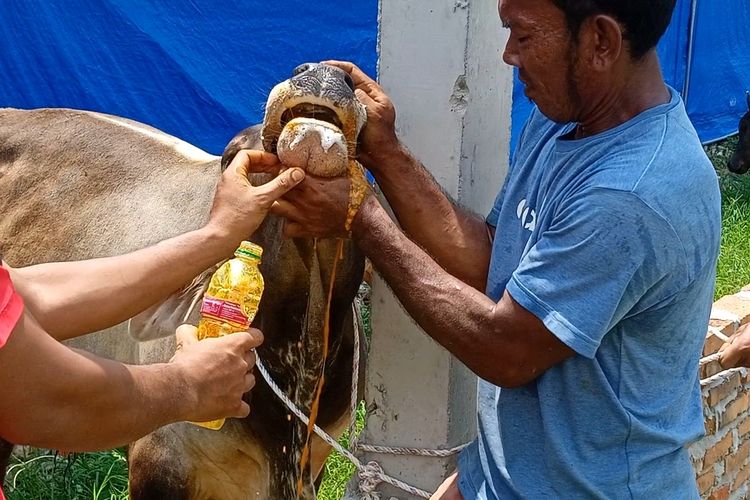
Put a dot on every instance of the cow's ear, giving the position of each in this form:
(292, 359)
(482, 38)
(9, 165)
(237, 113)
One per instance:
(747, 96)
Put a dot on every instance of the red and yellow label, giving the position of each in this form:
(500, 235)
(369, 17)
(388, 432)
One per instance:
(223, 310)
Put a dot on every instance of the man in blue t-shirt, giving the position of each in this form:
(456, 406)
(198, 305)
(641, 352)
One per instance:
(583, 298)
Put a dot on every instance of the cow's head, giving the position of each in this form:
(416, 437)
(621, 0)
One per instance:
(260, 456)
(312, 120)
(739, 163)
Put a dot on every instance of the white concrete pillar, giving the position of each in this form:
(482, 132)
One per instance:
(441, 63)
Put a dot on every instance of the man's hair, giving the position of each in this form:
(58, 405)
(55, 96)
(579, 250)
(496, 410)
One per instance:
(643, 21)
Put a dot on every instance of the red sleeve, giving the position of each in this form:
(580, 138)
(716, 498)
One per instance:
(11, 306)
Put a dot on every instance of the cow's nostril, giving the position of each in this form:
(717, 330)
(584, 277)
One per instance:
(301, 68)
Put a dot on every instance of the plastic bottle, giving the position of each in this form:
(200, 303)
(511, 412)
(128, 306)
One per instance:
(231, 301)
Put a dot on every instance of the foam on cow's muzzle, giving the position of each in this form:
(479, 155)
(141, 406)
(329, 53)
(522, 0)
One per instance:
(315, 146)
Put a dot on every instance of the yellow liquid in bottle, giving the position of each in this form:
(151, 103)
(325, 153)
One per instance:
(231, 301)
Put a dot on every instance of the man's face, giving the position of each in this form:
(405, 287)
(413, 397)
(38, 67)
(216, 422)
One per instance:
(543, 50)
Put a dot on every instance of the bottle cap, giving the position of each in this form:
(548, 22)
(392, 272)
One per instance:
(249, 249)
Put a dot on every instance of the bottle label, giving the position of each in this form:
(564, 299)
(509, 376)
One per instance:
(223, 310)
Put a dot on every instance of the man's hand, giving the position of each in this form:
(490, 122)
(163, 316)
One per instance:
(216, 372)
(378, 139)
(316, 208)
(239, 207)
(448, 490)
(736, 352)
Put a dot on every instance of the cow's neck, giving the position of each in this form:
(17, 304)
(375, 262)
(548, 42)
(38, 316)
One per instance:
(291, 315)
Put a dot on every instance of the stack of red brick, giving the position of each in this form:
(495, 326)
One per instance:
(721, 458)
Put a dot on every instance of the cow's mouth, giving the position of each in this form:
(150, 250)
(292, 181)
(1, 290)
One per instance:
(308, 110)
(312, 111)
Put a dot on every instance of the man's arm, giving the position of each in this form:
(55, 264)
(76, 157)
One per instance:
(460, 241)
(56, 397)
(501, 342)
(457, 239)
(73, 298)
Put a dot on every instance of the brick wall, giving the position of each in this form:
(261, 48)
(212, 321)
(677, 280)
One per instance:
(722, 458)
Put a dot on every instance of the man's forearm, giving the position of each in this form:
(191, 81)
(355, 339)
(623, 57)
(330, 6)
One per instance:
(458, 240)
(459, 317)
(123, 403)
(80, 402)
(73, 298)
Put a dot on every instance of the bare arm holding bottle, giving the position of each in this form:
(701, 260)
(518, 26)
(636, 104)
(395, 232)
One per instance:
(56, 397)
(74, 298)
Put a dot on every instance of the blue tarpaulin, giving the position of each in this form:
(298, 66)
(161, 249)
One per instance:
(202, 70)
(720, 67)
(705, 56)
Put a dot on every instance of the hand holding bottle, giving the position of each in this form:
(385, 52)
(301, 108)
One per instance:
(215, 373)
(239, 207)
(231, 301)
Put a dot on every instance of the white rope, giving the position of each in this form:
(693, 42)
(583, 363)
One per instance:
(419, 452)
(370, 474)
(354, 401)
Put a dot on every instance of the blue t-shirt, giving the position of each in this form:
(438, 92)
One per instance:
(612, 242)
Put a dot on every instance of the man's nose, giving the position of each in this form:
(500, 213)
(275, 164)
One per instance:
(510, 54)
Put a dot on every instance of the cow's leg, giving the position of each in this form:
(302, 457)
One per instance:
(156, 469)
(184, 461)
(6, 449)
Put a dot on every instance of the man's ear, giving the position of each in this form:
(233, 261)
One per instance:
(606, 40)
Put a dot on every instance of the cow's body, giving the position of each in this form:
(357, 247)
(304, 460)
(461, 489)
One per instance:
(76, 185)
(739, 163)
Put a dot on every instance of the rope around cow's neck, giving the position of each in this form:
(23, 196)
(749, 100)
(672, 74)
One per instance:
(370, 474)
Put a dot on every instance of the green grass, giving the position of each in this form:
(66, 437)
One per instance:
(87, 476)
(103, 476)
(733, 271)
(338, 470)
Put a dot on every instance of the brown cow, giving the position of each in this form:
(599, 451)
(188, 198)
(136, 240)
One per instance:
(76, 185)
(739, 163)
